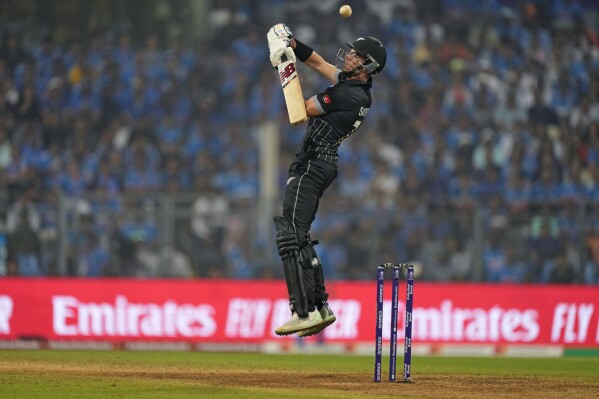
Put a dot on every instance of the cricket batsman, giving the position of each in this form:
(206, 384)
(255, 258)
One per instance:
(334, 115)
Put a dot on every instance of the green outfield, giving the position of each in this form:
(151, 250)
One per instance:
(146, 375)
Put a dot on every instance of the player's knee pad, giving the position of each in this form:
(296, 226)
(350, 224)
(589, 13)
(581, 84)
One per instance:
(286, 238)
(288, 247)
(308, 253)
(312, 261)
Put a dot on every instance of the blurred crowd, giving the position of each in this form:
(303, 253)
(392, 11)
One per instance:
(479, 159)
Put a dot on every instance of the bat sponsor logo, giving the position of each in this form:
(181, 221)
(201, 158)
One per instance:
(287, 74)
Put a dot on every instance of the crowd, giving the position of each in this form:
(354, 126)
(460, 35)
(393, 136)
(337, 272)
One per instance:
(479, 159)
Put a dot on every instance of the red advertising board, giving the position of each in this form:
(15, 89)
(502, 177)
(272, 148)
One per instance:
(249, 311)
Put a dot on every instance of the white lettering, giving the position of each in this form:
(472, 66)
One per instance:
(348, 315)
(280, 315)
(204, 317)
(509, 325)
(170, 311)
(134, 311)
(6, 307)
(72, 317)
(196, 321)
(64, 311)
(246, 318)
(571, 322)
(459, 318)
(570, 335)
(448, 322)
(530, 325)
(585, 312)
(477, 330)
(494, 316)
(184, 320)
(96, 319)
(427, 323)
(151, 321)
(558, 321)
(401, 319)
(121, 315)
(386, 319)
(446, 316)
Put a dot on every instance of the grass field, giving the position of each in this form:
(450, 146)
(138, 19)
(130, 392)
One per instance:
(173, 375)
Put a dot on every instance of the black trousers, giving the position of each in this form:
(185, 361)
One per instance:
(308, 179)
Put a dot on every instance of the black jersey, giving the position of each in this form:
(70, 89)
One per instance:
(345, 104)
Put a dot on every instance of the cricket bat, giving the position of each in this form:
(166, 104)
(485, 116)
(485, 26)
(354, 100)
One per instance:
(296, 108)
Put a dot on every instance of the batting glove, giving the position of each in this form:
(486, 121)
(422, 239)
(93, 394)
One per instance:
(278, 32)
(281, 52)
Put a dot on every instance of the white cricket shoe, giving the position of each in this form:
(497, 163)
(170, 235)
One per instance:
(296, 324)
(328, 318)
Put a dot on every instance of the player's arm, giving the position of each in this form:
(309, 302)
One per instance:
(280, 39)
(316, 62)
(313, 107)
(312, 59)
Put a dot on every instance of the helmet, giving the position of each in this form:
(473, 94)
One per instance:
(372, 49)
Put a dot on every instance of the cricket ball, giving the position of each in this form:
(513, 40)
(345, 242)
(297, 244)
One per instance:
(345, 11)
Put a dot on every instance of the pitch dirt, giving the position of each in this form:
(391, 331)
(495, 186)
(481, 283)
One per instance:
(429, 386)
(276, 382)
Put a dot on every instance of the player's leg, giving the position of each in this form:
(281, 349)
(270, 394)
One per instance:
(288, 247)
(302, 317)
(302, 195)
(320, 295)
(313, 273)
(299, 279)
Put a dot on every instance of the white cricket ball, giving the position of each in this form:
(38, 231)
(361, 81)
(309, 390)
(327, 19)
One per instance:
(345, 11)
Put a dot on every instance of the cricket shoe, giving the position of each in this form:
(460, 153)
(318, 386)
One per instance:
(328, 318)
(296, 324)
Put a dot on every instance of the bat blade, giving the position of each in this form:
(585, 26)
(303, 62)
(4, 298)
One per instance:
(292, 90)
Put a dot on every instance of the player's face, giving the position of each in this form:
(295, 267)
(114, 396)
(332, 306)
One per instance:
(351, 60)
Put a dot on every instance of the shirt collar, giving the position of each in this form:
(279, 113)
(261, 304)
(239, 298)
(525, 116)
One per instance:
(344, 77)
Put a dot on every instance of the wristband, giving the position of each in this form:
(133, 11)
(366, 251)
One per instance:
(301, 50)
